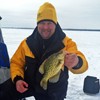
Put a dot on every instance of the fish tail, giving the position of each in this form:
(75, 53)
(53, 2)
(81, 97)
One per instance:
(43, 84)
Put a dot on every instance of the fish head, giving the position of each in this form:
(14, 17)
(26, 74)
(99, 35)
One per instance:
(61, 55)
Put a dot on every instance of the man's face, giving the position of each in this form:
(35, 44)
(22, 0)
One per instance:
(46, 29)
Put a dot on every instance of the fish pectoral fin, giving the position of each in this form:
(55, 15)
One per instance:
(41, 68)
(55, 78)
(59, 62)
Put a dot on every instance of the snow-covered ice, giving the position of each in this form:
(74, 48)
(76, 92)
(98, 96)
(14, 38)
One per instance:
(88, 43)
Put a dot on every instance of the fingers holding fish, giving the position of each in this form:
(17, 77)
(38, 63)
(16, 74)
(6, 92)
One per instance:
(71, 60)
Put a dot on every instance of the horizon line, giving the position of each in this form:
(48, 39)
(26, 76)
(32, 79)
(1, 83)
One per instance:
(69, 29)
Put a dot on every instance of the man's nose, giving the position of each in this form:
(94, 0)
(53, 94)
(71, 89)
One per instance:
(45, 26)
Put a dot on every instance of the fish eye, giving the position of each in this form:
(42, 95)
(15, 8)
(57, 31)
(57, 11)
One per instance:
(61, 52)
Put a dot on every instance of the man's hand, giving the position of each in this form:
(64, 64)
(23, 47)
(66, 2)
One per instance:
(21, 86)
(71, 60)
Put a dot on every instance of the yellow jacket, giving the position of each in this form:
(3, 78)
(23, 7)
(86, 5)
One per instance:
(18, 63)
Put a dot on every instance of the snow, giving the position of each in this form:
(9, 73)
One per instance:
(87, 42)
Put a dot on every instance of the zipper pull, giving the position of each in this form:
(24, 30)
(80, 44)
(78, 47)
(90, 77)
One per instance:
(43, 46)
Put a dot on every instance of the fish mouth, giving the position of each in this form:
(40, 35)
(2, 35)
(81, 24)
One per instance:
(64, 52)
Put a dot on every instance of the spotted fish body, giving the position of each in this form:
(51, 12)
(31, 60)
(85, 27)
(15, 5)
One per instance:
(51, 68)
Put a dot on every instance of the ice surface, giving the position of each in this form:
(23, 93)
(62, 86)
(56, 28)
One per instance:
(88, 42)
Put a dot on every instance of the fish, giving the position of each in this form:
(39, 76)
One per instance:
(51, 68)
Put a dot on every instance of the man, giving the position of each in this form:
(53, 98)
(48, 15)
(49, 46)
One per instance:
(46, 39)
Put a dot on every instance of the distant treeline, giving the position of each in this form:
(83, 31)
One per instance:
(82, 29)
(69, 29)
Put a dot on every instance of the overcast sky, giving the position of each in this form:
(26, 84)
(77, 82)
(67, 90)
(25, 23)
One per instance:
(83, 14)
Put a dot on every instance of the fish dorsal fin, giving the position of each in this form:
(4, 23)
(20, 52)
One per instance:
(41, 68)
(55, 78)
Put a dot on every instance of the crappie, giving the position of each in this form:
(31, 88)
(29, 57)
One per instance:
(51, 68)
